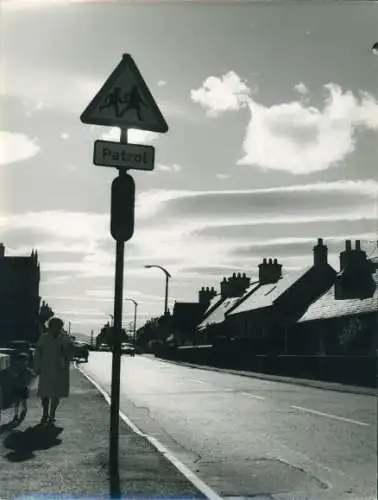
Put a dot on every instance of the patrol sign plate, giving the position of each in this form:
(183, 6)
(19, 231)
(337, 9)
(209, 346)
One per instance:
(116, 154)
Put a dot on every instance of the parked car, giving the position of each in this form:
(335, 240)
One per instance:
(104, 347)
(22, 346)
(81, 351)
(127, 349)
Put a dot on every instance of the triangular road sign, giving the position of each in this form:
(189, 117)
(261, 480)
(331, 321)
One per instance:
(125, 101)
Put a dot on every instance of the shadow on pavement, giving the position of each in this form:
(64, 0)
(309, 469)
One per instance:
(24, 443)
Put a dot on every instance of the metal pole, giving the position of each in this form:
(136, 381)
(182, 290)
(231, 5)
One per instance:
(166, 295)
(116, 363)
(135, 316)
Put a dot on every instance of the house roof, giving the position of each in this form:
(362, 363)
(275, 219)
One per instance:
(218, 309)
(327, 306)
(218, 314)
(215, 301)
(265, 295)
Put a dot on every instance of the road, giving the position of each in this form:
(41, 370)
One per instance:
(246, 437)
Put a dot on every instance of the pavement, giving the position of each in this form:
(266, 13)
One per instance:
(319, 384)
(71, 457)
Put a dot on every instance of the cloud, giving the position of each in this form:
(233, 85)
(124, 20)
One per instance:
(161, 83)
(223, 176)
(64, 225)
(290, 247)
(293, 137)
(168, 168)
(217, 95)
(320, 201)
(301, 88)
(65, 136)
(16, 147)
(302, 139)
(134, 136)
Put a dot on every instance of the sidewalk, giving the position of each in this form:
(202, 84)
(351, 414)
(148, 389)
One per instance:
(71, 458)
(317, 384)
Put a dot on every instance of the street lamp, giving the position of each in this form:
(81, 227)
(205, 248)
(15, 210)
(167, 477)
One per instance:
(135, 314)
(167, 276)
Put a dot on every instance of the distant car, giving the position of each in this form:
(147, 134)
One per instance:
(128, 349)
(105, 347)
(81, 351)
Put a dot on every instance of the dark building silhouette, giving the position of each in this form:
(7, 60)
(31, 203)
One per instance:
(19, 297)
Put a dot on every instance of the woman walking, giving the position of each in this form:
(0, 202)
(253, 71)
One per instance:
(53, 353)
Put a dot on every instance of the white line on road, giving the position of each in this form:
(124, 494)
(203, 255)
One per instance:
(198, 381)
(185, 471)
(252, 395)
(357, 422)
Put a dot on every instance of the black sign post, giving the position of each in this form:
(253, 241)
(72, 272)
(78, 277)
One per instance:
(119, 103)
(116, 231)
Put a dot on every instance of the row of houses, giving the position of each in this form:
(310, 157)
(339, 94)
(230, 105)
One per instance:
(310, 311)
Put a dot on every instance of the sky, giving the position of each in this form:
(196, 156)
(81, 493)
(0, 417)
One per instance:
(272, 109)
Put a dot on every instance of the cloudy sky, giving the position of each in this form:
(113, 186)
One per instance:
(272, 110)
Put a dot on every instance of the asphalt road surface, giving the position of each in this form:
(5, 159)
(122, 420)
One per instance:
(246, 437)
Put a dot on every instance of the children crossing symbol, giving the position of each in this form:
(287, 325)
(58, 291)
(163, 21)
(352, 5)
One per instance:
(125, 101)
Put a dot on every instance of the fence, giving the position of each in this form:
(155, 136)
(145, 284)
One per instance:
(352, 370)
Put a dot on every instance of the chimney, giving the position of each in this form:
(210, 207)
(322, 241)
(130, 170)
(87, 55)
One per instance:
(205, 295)
(355, 280)
(269, 272)
(320, 253)
(235, 285)
(2, 250)
(345, 255)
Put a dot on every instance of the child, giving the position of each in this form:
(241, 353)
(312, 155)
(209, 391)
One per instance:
(21, 378)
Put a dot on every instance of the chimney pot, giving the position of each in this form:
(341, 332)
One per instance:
(2, 250)
(275, 261)
(358, 244)
(239, 275)
(348, 245)
(264, 261)
(320, 241)
(270, 261)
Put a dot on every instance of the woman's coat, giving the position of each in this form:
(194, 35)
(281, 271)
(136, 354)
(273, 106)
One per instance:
(52, 362)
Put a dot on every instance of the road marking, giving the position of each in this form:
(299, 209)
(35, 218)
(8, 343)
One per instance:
(357, 422)
(198, 381)
(185, 471)
(252, 395)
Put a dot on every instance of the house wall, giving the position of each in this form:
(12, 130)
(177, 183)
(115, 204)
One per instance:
(352, 335)
(19, 299)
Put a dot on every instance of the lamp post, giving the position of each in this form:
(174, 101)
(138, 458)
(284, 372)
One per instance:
(135, 314)
(167, 276)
